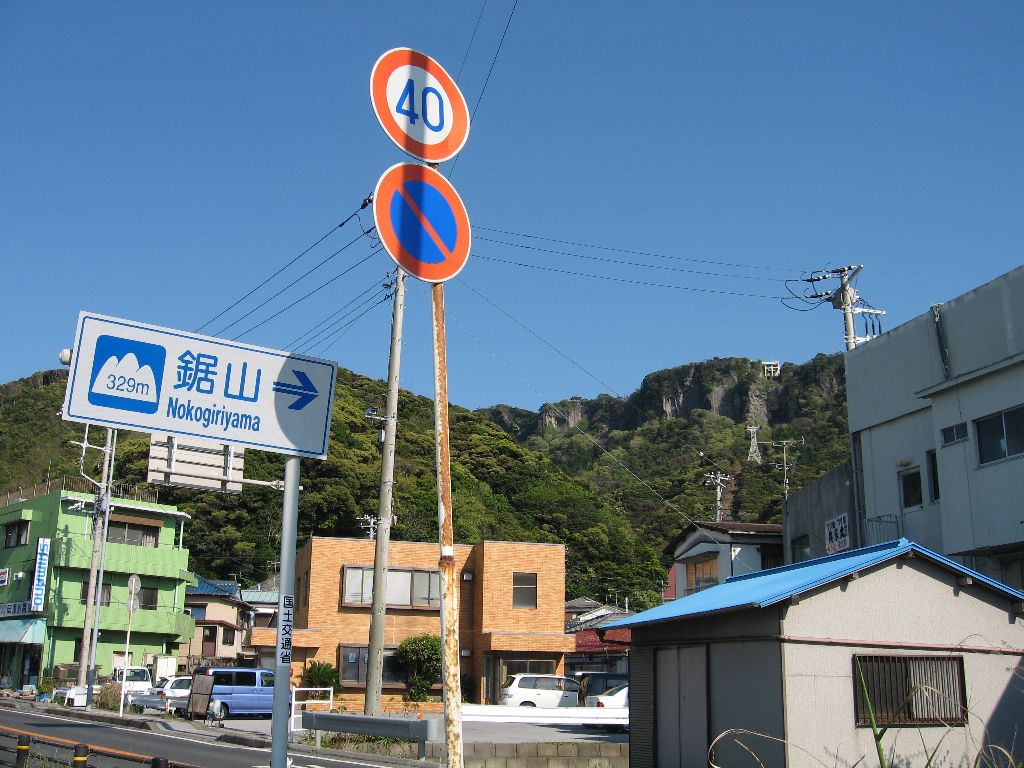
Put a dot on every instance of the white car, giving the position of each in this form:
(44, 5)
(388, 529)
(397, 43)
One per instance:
(170, 693)
(617, 698)
(547, 691)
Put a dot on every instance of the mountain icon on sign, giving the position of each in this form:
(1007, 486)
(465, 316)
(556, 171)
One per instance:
(126, 374)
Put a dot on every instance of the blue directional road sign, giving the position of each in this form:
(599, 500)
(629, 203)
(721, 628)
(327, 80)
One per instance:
(130, 375)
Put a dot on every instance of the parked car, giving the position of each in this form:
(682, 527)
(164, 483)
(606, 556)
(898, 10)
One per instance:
(136, 679)
(169, 693)
(616, 698)
(239, 691)
(596, 683)
(546, 691)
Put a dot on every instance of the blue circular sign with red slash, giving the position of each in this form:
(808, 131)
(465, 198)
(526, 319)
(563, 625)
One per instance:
(422, 222)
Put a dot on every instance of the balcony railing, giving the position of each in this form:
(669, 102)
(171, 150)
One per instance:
(878, 530)
(162, 620)
(129, 491)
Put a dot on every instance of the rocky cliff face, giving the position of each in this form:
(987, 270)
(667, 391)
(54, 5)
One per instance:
(735, 388)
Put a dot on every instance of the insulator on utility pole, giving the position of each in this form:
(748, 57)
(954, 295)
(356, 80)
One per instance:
(846, 299)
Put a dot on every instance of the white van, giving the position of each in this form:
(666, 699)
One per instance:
(547, 691)
(136, 679)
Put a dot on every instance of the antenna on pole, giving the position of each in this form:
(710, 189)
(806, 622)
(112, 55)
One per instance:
(754, 454)
(718, 479)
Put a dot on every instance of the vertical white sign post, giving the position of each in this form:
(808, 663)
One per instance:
(134, 585)
(285, 617)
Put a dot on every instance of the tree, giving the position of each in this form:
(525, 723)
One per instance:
(420, 659)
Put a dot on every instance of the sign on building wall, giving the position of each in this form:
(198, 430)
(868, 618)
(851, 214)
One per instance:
(14, 609)
(5, 576)
(38, 596)
(837, 534)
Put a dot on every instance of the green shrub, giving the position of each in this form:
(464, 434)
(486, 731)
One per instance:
(45, 685)
(320, 674)
(109, 696)
(420, 659)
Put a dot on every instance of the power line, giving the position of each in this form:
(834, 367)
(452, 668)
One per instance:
(322, 350)
(487, 79)
(717, 291)
(472, 37)
(308, 295)
(332, 230)
(381, 293)
(301, 277)
(631, 263)
(633, 252)
(321, 327)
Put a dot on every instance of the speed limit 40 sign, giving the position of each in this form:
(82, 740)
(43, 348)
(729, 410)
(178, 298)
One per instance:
(418, 105)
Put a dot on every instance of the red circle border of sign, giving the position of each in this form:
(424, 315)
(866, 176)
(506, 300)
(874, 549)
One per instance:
(386, 188)
(429, 153)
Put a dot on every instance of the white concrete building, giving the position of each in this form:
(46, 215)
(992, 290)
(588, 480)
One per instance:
(936, 412)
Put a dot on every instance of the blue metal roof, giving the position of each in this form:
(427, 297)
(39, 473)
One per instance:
(764, 588)
(213, 587)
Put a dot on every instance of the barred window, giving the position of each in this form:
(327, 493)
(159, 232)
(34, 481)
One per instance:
(910, 690)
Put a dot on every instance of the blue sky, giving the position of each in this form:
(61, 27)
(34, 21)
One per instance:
(158, 161)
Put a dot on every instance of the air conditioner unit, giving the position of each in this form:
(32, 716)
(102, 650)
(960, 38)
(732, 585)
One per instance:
(18, 576)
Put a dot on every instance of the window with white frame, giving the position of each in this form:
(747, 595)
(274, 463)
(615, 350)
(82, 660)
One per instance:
(524, 590)
(1000, 435)
(955, 433)
(406, 587)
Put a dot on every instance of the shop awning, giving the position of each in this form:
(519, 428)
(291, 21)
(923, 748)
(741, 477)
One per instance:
(27, 631)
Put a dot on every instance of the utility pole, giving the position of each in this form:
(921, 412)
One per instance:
(846, 299)
(375, 663)
(718, 479)
(754, 454)
(785, 464)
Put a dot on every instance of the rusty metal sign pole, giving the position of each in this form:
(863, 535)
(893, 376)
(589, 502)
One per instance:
(450, 677)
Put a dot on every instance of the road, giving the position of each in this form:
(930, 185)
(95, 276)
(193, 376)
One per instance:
(138, 746)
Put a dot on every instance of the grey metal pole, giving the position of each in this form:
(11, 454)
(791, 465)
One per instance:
(375, 668)
(450, 678)
(97, 601)
(285, 617)
(97, 532)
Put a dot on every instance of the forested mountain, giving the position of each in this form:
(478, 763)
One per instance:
(647, 454)
(612, 478)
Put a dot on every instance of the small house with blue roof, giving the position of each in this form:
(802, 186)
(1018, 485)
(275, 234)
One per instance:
(222, 620)
(782, 665)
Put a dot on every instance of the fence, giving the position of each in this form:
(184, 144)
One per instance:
(127, 491)
(22, 751)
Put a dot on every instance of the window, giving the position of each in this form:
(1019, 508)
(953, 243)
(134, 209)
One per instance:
(910, 690)
(246, 678)
(354, 660)
(407, 588)
(771, 557)
(198, 612)
(119, 532)
(148, 598)
(701, 574)
(954, 434)
(1000, 435)
(933, 477)
(800, 548)
(16, 534)
(524, 590)
(910, 488)
(529, 666)
(228, 636)
(104, 594)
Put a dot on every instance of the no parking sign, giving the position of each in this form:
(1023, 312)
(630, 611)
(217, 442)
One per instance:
(422, 222)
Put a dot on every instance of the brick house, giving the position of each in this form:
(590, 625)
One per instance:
(511, 610)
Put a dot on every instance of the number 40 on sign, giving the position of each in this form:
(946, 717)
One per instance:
(418, 105)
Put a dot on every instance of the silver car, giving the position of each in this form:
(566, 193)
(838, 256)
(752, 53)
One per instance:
(169, 694)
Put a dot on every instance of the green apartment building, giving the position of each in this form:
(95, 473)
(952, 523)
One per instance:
(44, 574)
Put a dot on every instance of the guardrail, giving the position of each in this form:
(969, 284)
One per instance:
(420, 731)
(23, 751)
(299, 705)
(496, 713)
